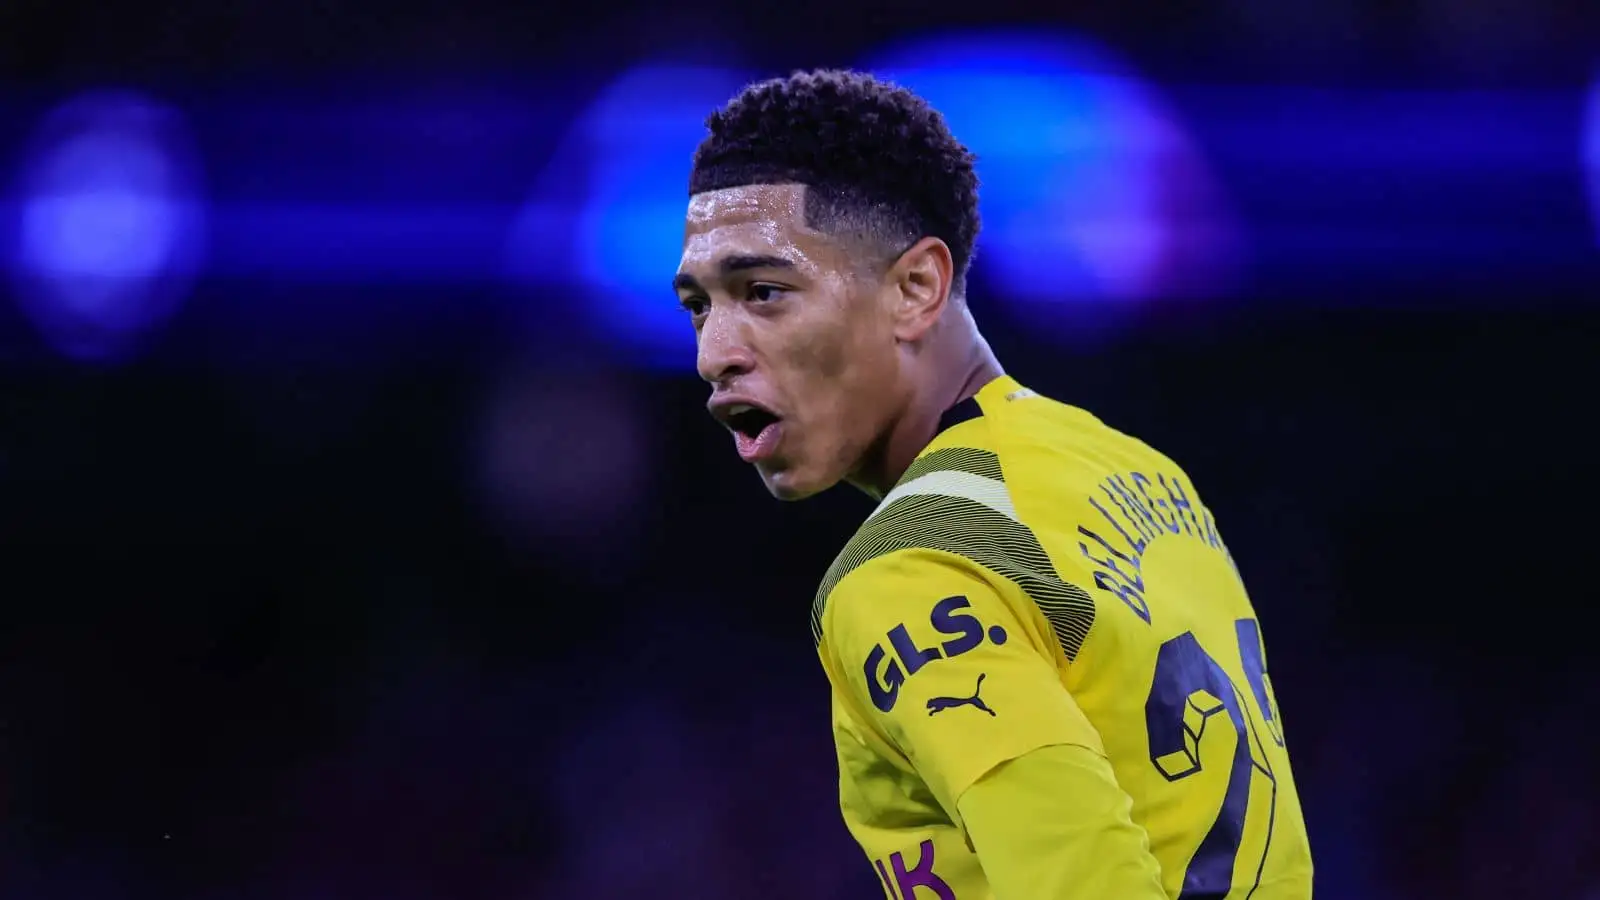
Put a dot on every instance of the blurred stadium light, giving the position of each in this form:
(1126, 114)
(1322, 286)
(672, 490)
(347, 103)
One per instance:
(108, 229)
(408, 186)
(1352, 193)
(625, 166)
(1091, 191)
(344, 212)
(1591, 153)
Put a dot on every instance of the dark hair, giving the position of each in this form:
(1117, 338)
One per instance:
(875, 159)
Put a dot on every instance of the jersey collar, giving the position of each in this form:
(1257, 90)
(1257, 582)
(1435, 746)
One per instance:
(996, 391)
(964, 411)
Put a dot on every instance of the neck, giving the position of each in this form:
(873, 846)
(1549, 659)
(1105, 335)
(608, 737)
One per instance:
(974, 367)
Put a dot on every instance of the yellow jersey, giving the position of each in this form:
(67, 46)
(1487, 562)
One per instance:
(1038, 579)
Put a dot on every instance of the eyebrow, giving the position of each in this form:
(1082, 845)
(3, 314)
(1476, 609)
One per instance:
(730, 264)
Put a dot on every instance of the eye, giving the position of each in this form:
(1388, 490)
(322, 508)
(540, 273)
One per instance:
(694, 306)
(761, 293)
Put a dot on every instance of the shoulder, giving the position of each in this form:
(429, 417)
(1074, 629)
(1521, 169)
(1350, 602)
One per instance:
(932, 525)
(949, 529)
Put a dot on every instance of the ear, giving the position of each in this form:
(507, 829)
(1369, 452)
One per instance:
(923, 276)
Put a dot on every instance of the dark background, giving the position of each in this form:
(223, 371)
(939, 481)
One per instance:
(382, 568)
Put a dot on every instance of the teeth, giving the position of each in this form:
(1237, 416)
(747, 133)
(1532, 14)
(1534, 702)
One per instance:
(739, 409)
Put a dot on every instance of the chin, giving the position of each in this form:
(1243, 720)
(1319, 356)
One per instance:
(789, 485)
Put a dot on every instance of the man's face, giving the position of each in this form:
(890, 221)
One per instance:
(797, 345)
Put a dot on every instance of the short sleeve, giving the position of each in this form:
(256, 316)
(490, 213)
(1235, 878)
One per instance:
(943, 667)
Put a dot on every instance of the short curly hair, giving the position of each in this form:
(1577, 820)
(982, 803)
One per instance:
(875, 158)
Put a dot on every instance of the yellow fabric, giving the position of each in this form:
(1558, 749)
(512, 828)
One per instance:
(952, 743)
(1052, 824)
(1079, 575)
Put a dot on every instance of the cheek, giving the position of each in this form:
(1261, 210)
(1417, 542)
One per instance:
(845, 348)
(839, 368)
(817, 357)
(845, 382)
(827, 358)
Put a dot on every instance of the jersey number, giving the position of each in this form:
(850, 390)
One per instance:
(1188, 691)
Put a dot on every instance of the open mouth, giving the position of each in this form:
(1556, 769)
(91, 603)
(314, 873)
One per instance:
(756, 431)
(750, 421)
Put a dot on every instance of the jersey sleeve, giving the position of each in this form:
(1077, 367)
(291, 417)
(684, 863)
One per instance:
(930, 652)
(1053, 823)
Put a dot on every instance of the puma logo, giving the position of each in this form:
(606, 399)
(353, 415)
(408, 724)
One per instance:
(939, 704)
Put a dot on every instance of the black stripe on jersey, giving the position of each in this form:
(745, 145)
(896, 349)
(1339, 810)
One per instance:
(955, 459)
(971, 530)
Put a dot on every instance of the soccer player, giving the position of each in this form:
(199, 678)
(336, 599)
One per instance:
(1047, 679)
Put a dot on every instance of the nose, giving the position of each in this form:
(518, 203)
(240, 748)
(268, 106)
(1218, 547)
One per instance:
(723, 350)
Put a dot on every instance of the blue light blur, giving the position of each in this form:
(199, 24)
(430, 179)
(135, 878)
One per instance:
(410, 187)
(368, 213)
(625, 163)
(1079, 167)
(109, 226)
(1591, 153)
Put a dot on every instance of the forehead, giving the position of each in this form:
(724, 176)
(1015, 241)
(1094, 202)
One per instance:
(763, 219)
